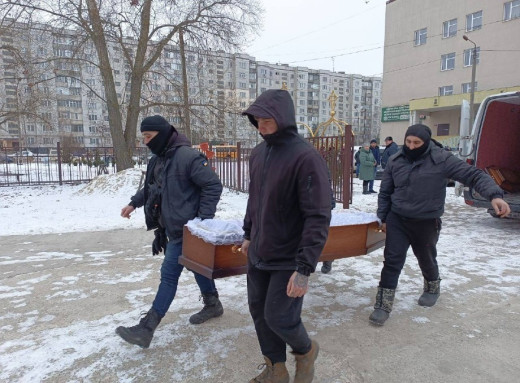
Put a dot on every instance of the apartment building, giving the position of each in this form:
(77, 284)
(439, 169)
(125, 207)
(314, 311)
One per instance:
(428, 63)
(65, 96)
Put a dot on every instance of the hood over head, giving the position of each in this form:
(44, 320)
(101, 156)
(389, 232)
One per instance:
(273, 103)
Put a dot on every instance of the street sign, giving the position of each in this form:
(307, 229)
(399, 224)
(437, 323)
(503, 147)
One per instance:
(395, 113)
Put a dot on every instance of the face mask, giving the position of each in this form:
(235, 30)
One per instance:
(414, 154)
(159, 142)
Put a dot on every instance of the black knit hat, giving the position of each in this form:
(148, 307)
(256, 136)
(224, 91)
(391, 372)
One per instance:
(157, 124)
(419, 130)
(373, 141)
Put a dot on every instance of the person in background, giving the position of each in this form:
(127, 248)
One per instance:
(179, 186)
(390, 149)
(366, 166)
(374, 148)
(410, 206)
(356, 161)
(285, 229)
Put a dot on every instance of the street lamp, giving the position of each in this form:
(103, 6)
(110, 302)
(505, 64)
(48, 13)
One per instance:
(473, 73)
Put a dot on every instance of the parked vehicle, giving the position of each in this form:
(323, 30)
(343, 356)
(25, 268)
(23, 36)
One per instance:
(493, 147)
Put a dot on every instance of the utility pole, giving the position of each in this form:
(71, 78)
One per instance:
(473, 74)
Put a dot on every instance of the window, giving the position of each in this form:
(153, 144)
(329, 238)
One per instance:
(449, 28)
(443, 129)
(466, 87)
(76, 128)
(448, 61)
(468, 56)
(420, 37)
(473, 21)
(512, 10)
(446, 90)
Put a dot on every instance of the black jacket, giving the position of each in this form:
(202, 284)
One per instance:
(418, 189)
(288, 210)
(189, 187)
(389, 151)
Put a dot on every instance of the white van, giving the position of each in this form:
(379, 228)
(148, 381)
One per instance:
(493, 147)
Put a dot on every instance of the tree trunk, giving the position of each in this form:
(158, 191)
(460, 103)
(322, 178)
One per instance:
(185, 93)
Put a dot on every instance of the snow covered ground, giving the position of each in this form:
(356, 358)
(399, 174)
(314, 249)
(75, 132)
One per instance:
(62, 294)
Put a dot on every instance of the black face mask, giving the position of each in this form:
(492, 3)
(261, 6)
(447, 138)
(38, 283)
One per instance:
(413, 154)
(159, 142)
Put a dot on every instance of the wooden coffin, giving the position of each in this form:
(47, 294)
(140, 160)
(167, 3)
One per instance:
(218, 261)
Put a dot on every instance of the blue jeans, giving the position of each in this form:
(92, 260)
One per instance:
(371, 183)
(171, 270)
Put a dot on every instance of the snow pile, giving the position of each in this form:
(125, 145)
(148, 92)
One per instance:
(113, 183)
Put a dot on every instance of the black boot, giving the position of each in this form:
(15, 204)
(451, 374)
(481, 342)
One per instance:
(141, 334)
(326, 267)
(432, 290)
(212, 309)
(383, 306)
(365, 188)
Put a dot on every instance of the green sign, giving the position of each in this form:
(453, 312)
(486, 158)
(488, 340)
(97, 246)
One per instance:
(396, 113)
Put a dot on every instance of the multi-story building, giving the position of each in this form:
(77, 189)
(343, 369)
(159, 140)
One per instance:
(65, 95)
(428, 62)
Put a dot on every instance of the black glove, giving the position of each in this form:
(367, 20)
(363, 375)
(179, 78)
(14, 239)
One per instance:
(160, 241)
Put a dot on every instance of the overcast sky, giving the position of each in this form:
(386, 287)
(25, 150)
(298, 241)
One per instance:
(309, 32)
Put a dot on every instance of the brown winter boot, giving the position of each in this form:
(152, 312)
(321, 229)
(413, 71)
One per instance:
(305, 364)
(276, 373)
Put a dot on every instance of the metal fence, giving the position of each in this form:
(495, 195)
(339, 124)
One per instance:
(60, 166)
(77, 165)
(338, 152)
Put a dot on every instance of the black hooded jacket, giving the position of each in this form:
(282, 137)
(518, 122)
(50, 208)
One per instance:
(189, 187)
(288, 211)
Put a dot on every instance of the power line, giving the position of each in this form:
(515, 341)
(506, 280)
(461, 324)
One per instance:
(391, 45)
(316, 30)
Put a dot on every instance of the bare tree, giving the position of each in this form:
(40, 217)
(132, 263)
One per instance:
(141, 29)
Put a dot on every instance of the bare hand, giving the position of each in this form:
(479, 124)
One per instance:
(298, 285)
(501, 207)
(383, 227)
(245, 246)
(126, 211)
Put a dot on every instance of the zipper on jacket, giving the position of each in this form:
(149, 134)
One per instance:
(264, 172)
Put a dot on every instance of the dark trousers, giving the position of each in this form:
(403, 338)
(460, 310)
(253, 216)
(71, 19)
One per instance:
(371, 183)
(277, 317)
(402, 232)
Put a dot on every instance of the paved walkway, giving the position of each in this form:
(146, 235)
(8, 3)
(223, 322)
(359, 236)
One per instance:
(62, 296)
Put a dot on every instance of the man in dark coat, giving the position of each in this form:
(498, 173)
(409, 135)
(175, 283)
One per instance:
(410, 206)
(390, 149)
(286, 226)
(179, 186)
(374, 148)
